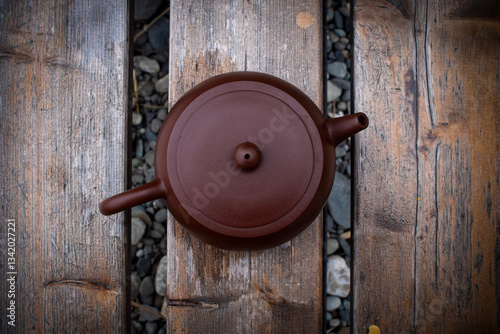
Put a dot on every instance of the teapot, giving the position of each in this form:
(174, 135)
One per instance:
(244, 161)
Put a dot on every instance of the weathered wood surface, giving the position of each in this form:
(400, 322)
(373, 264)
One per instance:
(63, 138)
(427, 190)
(273, 291)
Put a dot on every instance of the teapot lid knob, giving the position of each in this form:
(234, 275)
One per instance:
(247, 156)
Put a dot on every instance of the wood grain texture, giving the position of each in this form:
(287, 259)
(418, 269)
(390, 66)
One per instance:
(63, 140)
(274, 291)
(426, 213)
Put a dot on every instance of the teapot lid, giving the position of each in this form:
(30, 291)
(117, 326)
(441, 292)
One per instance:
(244, 154)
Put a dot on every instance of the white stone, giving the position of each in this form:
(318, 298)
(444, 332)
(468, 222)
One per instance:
(162, 85)
(338, 277)
(332, 303)
(331, 246)
(333, 91)
(138, 229)
(146, 64)
(161, 277)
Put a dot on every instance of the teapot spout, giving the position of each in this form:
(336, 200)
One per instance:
(341, 128)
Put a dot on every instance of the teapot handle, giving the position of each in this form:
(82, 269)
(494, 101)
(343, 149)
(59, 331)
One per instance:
(130, 198)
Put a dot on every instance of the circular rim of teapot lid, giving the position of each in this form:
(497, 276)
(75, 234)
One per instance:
(244, 157)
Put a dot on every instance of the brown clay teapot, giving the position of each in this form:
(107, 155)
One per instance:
(243, 161)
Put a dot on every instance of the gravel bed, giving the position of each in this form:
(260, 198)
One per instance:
(149, 242)
(148, 249)
(338, 217)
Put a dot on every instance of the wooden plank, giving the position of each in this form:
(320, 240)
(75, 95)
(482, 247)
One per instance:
(63, 111)
(277, 290)
(426, 213)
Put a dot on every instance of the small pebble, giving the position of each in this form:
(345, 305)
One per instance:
(158, 34)
(334, 38)
(139, 212)
(342, 83)
(330, 15)
(136, 118)
(148, 250)
(144, 10)
(331, 246)
(156, 125)
(344, 314)
(141, 39)
(338, 19)
(347, 304)
(340, 32)
(139, 148)
(158, 302)
(161, 57)
(149, 316)
(339, 55)
(156, 234)
(161, 216)
(161, 277)
(329, 223)
(345, 11)
(136, 325)
(136, 162)
(341, 106)
(135, 282)
(328, 45)
(162, 114)
(146, 64)
(150, 175)
(334, 323)
(149, 157)
(345, 246)
(339, 46)
(158, 204)
(137, 179)
(147, 300)
(151, 327)
(345, 330)
(346, 95)
(162, 85)
(142, 266)
(333, 303)
(146, 89)
(147, 287)
(339, 152)
(150, 115)
(150, 135)
(148, 242)
(154, 98)
(159, 227)
(146, 49)
(138, 229)
(345, 53)
(333, 91)
(337, 69)
(339, 199)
